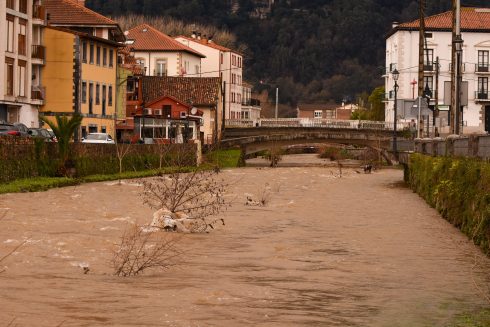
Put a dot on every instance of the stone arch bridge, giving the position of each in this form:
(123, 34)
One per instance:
(256, 139)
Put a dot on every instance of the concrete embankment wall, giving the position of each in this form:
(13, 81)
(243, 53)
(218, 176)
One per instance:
(477, 146)
(459, 188)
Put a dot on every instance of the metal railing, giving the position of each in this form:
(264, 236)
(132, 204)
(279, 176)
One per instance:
(37, 93)
(482, 95)
(37, 51)
(38, 12)
(482, 68)
(314, 123)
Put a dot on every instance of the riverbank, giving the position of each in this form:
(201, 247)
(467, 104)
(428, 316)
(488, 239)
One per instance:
(361, 250)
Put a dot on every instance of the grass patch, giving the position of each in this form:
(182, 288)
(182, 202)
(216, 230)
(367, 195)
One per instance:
(37, 184)
(478, 319)
(224, 158)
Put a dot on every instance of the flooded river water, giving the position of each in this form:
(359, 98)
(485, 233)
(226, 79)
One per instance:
(360, 250)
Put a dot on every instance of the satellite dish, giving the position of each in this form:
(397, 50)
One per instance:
(193, 111)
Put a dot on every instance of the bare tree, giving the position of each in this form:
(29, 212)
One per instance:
(198, 194)
(122, 150)
(140, 250)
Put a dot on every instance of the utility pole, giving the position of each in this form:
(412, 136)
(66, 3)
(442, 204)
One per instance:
(277, 102)
(436, 98)
(456, 76)
(421, 47)
(421, 85)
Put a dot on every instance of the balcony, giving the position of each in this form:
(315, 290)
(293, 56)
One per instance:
(251, 102)
(481, 68)
(38, 15)
(11, 4)
(38, 52)
(37, 94)
(482, 96)
(429, 67)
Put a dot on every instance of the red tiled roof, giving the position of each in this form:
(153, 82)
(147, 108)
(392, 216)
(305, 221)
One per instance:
(471, 19)
(207, 43)
(69, 12)
(147, 38)
(201, 91)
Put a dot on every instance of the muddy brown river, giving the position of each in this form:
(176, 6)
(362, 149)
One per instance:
(361, 250)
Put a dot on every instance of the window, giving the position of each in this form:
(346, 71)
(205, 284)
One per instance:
(167, 111)
(196, 69)
(10, 33)
(97, 94)
(84, 51)
(98, 56)
(318, 114)
(103, 129)
(428, 35)
(91, 53)
(22, 37)
(483, 60)
(104, 95)
(161, 67)
(222, 58)
(428, 82)
(11, 4)
(239, 62)
(23, 6)
(111, 58)
(9, 85)
(104, 57)
(84, 92)
(392, 67)
(482, 88)
(428, 59)
(22, 77)
(90, 98)
(109, 101)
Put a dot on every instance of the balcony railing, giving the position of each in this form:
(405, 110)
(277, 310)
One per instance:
(38, 12)
(482, 95)
(429, 67)
(37, 52)
(481, 68)
(251, 102)
(37, 93)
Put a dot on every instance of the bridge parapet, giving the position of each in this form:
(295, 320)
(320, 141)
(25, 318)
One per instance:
(313, 123)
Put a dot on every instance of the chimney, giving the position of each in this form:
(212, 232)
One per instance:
(198, 36)
(193, 35)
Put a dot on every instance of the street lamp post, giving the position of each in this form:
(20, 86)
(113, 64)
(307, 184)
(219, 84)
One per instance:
(395, 75)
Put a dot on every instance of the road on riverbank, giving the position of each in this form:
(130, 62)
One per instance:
(361, 250)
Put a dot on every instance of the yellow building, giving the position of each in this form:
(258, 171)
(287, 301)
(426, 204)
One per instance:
(80, 73)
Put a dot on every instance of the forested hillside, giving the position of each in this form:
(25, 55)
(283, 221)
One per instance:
(311, 49)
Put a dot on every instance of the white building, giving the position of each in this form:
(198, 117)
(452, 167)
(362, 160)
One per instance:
(402, 47)
(22, 52)
(161, 55)
(224, 63)
(250, 106)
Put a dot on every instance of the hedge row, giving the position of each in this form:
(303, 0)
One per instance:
(459, 188)
(40, 159)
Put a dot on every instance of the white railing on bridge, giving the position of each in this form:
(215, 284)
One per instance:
(314, 122)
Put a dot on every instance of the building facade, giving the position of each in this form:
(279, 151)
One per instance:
(224, 63)
(80, 75)
(22, 53)
(251, 109)
(161, 55)
(402, 45)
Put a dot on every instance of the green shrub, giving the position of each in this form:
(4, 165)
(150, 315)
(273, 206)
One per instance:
(459, 189)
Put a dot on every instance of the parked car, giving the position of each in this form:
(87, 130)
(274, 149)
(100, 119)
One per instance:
(100, 138)
(42, 133)
(15, 129)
